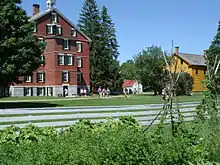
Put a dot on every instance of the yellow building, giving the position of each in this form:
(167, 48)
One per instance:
(191, 63)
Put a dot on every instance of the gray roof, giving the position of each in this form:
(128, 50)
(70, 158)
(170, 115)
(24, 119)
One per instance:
(193, 59)
(41, 14)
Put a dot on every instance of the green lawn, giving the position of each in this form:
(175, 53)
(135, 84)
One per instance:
(132, 100)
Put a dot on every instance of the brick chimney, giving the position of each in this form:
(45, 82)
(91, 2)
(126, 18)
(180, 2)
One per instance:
(36, 8)
(177, 49)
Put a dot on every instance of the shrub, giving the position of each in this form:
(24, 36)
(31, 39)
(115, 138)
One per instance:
(185, 84)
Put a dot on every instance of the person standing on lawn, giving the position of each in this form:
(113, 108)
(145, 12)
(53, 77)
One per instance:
(107, 92)
(100, 92)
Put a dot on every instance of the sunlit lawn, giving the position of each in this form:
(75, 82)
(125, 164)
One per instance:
(132, 100)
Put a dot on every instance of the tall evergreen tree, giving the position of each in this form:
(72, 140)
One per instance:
(20, 50)
(89, 23)
(104, 66)
(110, 52)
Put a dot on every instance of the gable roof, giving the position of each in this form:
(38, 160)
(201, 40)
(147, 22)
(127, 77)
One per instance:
(193, 59)
(129, 83)
(41, 14)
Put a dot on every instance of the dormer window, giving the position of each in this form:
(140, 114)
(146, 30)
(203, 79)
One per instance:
(73, 32)
(53, 18)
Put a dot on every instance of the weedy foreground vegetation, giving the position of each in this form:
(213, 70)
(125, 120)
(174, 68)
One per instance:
(115, 142)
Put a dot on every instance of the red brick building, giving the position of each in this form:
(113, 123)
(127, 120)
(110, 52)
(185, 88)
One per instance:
(66, 68)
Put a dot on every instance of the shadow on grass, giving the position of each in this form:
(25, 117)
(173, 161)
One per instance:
(6, 105)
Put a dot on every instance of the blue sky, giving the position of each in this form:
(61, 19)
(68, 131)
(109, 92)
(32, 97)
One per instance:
(191, 24)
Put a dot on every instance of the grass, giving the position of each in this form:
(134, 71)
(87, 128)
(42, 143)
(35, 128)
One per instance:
(132, 100)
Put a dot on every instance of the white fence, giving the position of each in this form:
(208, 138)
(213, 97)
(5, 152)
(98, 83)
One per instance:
(62, 117)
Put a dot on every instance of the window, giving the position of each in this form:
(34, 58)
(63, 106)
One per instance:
(43, 59)
(41, 39)
(65, 44)
(65, 59)
(73, 32)
(27, 91)
(49, 29)
(27, 78)
(78, 46)
(40, 91)
(40, 77)
(59, 30)
(79, 62)
(53, 18)
(61, 59)
(196, 71)
(181, 62)
(65, 76)
(79, 77)
(69, 59)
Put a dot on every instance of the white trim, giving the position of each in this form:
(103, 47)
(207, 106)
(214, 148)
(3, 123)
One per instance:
(78, 49)
(37, 16)
(51, 28)
(67, 48)
(28, 79)
(42, 73)
(62, 56)
(54, 14)
(67, 73)
(75, 32)
(71, 59)
(77, 62)
(59, 28)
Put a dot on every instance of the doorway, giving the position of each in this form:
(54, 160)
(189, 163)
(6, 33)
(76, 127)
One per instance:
(65, 91)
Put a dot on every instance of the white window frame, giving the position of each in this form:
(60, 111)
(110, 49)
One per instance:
(77, 62)
(78, 46)
(67, 74)
(73, 30)
(67, 40)
(38, 80)
(43, 59)
(54, 14)
(62, 57)
(27, 78)
(71, 59)
(51, 28)
(42, 91)
(29, 91)
(59, 28)
(41, 39)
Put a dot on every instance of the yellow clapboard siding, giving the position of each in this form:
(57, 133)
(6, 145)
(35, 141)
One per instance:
(183, 66)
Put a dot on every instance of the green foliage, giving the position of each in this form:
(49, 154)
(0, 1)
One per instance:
(128, 70)
(149, 65)
(20, 50)
(114, 142)
(184, 84)
(104, 66)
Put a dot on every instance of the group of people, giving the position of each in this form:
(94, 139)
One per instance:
(103, 93)
(83, 92)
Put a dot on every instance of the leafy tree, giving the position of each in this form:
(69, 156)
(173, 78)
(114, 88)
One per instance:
(20, 50)
(212, 59)
(149, 65)
(128, 70)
